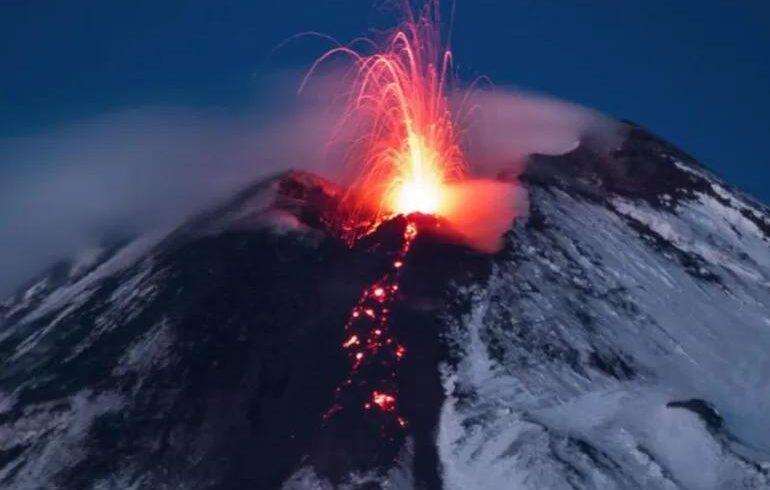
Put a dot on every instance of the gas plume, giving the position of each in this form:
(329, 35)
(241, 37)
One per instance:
(63, 190)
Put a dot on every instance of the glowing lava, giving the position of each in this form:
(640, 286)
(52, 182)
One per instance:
(373, 352)
(408, 152)
(385, 401)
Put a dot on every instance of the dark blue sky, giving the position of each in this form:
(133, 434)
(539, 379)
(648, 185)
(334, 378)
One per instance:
(695, 72)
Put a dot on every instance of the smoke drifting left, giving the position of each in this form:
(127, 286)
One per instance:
(63, 190)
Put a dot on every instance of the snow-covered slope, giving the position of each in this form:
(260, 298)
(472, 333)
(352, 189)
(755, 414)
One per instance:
(619, 340)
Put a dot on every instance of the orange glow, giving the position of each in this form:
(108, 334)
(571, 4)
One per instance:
(386, 402)
(409, 150)
(400, 351)
(353, 340)
(410, 232)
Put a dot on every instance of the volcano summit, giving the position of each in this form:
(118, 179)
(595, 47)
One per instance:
(618, 339)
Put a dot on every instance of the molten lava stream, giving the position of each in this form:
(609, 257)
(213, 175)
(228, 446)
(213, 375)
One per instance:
(372, 351)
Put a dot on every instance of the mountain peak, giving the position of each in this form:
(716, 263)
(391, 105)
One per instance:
(618, 340)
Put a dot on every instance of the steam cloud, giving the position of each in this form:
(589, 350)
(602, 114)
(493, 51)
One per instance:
(63, 190)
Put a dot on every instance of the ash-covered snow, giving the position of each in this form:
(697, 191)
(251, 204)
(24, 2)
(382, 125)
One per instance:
(397, 477)
(53, 434)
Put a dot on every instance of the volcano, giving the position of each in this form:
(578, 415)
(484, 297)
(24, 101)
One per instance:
(618, 340)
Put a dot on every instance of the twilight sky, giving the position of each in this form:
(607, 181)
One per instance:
(695, 72)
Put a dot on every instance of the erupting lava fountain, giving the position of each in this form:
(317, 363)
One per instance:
(409, 153)
(407, 161)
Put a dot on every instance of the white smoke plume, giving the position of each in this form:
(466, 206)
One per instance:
(505, 126)
(130, 171)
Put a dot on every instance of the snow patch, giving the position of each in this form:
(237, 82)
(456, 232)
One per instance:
(52, 436)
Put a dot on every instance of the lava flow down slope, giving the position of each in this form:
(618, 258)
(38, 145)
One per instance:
(415, 328)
